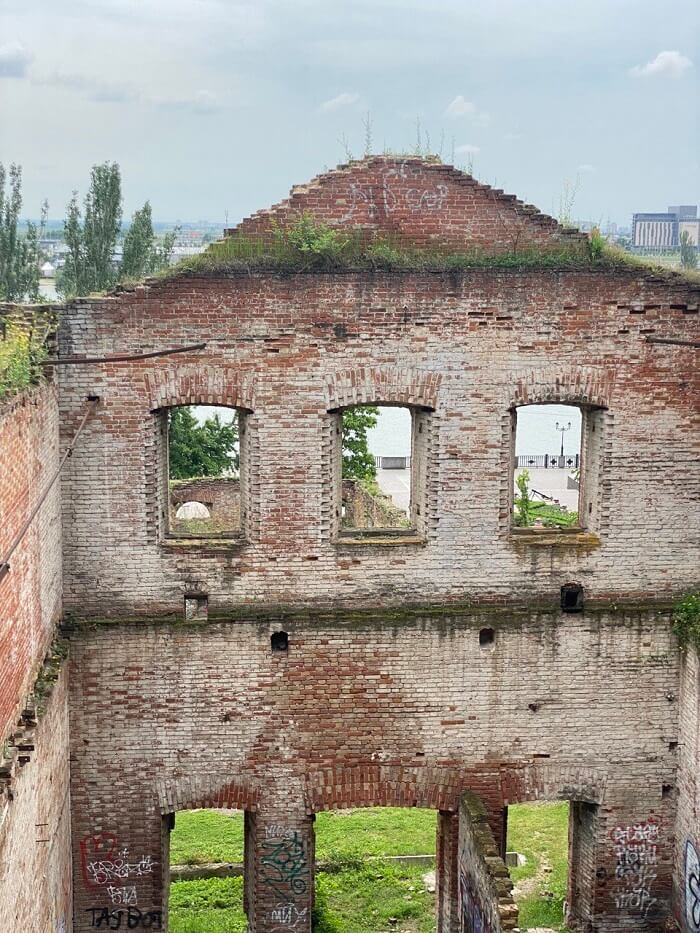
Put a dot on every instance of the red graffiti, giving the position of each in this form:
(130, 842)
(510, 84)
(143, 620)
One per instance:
(101, 847)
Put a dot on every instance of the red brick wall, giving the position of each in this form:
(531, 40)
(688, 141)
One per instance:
(371, 709)
(688, 832)
(416, 201)
(30, 595)
(289, 348)
(35, 852)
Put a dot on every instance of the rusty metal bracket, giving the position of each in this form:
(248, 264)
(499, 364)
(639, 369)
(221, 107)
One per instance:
(126, 358)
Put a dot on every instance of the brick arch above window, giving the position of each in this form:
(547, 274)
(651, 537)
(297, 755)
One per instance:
(200, 385)
(206, 791)
(582, 386)
(548, 782)
(383, 385)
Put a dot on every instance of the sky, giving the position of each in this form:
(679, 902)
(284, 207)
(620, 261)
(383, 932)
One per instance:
(214, 108)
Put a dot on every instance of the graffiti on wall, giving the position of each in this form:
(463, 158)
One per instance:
(129, 918)
(389, 196)
(285, 864)
(471, 916)
(692, 888)
(106, 866)
(635, 866)
(287, 915)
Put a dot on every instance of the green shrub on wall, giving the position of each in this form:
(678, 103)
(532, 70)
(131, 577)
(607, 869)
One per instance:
(22, 352)
(686, 620)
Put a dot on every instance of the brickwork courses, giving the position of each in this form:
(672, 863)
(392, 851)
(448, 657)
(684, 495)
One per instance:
(419, 665)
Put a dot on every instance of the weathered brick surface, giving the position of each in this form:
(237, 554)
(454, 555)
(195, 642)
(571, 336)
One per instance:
(30, 594)
(35, 852)
(469, 346)
(688, 832)
(410, 199)
(485, 889)
(372, 710)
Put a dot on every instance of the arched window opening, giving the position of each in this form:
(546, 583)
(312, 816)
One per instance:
(203, 470)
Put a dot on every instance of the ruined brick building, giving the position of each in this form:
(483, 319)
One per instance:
(294, 666)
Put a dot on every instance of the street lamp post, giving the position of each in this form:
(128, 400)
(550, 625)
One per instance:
(563, 428)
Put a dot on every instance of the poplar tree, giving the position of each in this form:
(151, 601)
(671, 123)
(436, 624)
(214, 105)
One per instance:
(19, 255)
(142, 253)
(90, 265)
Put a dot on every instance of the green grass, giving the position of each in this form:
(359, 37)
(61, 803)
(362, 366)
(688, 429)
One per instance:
(22, 351)
(206, 836)
(360, 896)
(214, 905)
(540, 832)
(374, 898)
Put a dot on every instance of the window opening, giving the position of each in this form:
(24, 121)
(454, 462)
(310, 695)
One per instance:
(376, 467)
(204, 488)
(537, 857)
(200, 842)
(279, 641)
(547, 467)
(487, 636)
(361, 881)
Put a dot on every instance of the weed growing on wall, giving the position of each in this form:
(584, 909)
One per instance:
(22, 351)
(686, 620)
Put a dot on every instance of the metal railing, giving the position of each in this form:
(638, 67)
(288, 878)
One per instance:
(548, 461)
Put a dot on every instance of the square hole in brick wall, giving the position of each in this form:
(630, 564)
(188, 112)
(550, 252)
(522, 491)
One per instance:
(203, 470)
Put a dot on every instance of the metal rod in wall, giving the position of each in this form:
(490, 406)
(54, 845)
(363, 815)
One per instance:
(5, 562)
(674, 341)
(77, 360)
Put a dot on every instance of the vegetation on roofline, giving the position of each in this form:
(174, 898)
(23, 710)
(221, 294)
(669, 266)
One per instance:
(686, 620)
(308, 246)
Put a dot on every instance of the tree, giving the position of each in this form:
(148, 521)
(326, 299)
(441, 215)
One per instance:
(19, 255)
(358, 462)
(90, 265)
(194, 449)
(689, 252)
(523, 502)
(142, 252)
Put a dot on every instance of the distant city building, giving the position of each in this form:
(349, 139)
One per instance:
(663, 231)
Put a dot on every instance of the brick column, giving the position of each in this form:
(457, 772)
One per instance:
(446, 872)
(280, 862)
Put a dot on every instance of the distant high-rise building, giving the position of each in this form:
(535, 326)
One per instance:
(663, 231)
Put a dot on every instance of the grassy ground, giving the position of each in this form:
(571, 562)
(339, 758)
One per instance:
(359, 896)
(540, 833)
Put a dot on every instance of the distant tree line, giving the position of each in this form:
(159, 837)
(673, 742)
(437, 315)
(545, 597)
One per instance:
(91, 237)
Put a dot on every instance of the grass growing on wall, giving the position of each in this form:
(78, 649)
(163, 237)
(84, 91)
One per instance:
(22, 351)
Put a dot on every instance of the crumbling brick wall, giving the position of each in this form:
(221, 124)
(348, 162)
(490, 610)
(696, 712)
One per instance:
(688, 832)
(35, 858)
(486, 902)
(221, 496)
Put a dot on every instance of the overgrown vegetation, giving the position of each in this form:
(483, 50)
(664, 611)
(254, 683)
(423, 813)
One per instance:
(529, 511)
(22, 352)
(308, 246)
(19, 255)
(686, 620)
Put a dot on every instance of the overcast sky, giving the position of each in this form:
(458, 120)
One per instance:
(221, 105)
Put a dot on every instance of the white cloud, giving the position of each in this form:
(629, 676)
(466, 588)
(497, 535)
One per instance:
(14, 60)
(460, 107)
(586, 168)
(102, 92)
(337, 103)
(512, 137)
(668, 64)
(201, 102)
(467, 149)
